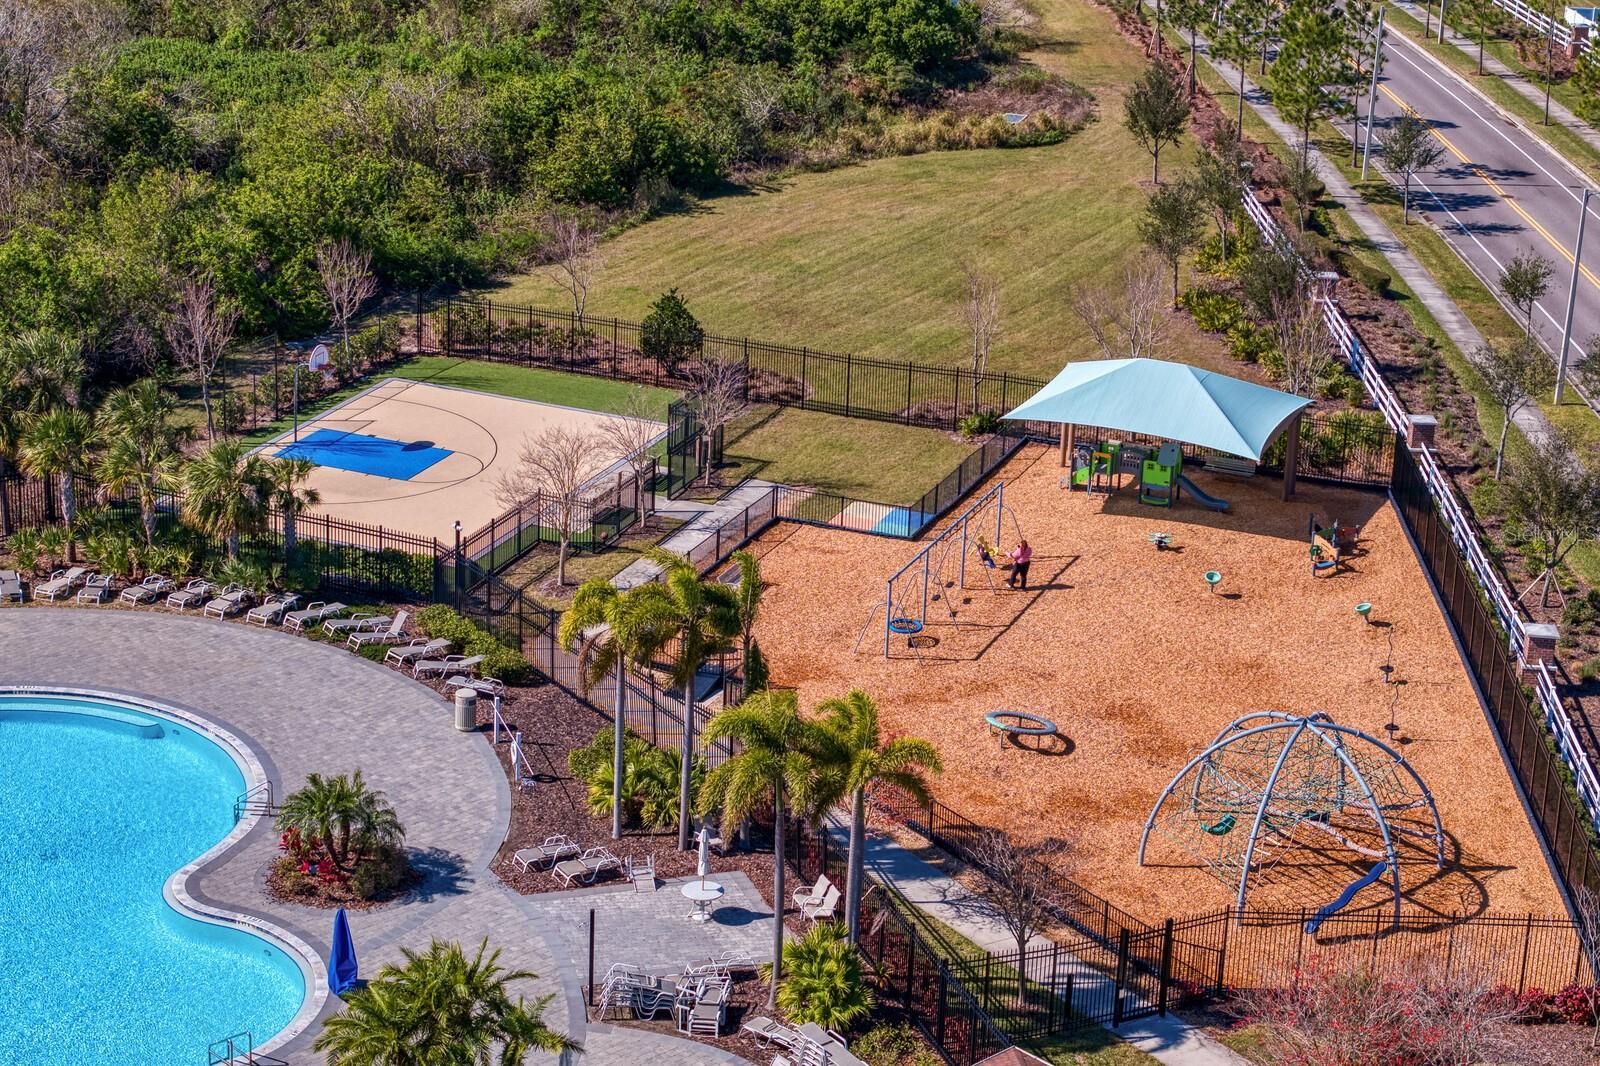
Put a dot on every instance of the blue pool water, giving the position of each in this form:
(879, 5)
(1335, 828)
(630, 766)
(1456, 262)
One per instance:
(99, 806)
(357, 452)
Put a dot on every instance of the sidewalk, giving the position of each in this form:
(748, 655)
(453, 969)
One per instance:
(701, 521)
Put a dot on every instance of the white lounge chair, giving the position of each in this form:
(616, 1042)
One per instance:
(642, 872)
(769, 1032)
(554, 849)
(586, 867)
(96, 588)
(393, 635)
(272, 611)
(61, 583)
(191, 595)
(358, 623)
(427, 667)
(709, 1012)
(10, 586)
(483, 686)
(296, 621)
(823, 909)
(152, 588)
(417, 648)
(805, 897)
(232, 600)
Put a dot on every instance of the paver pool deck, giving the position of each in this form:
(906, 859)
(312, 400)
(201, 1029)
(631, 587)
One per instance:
(306, 707)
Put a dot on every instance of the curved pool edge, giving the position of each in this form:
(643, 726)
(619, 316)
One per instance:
(175, 890)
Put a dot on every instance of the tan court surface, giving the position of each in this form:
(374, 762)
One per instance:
(1140, 665)
(483, 432)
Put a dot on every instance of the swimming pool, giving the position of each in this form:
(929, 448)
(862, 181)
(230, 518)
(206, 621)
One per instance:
(100, 804)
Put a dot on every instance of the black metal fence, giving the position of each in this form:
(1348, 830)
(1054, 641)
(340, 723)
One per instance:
(26, 503)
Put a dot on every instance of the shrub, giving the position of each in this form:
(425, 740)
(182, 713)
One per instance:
(26, 545)
(669, 333)
(1209, 260)
(1575, 1004)
(499, 661)
(755, 669)
(893, 1045)
(979, 423)
(1249, 343)
(382, 872)
(649, 782)
(1214, 312)
(822, 979)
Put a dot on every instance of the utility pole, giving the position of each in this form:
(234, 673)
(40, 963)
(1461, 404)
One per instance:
(1442, 5)
(1572, 293)
(1372, 93)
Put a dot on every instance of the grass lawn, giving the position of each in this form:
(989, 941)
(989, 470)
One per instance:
(868, 258)
(536, 570)
(503, 379)
(878, 461)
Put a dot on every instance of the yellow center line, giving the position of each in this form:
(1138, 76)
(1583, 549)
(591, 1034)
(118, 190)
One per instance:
(1507, 198)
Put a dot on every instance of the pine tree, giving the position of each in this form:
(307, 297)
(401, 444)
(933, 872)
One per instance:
(1313, 69)
(1240, 37)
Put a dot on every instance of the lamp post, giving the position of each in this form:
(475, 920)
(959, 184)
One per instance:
(1572, 293)
(1372, 93)
(457, 566)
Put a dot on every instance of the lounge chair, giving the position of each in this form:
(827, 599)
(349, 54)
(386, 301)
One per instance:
(483, 686)
(152, 588)
(807, 896)
(426, 667)
(553, 849)
(357, 623)
(586, 867)
(769, 1032)
(96, 587)
(191, 595)
(709, 1012)
(296, 621)
(393, 635)
(61, 583)
(232, 600)
(10, 586)
(417, 648)
(642, 872)
(272, 611)
(823, 909)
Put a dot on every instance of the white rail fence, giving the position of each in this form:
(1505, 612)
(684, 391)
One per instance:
(1530, 16)
(1456, 520)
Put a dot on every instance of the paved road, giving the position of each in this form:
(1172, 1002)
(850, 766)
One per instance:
(1498, 191)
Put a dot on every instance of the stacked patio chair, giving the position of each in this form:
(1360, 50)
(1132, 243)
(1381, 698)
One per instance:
(630, 988)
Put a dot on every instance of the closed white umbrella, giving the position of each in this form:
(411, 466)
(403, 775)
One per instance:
(704, 868)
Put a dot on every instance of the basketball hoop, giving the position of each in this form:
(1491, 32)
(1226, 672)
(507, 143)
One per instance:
(318, 360)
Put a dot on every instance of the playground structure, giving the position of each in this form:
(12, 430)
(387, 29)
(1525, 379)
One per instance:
(1273, 781)
(1017, 724)
(1158, 472)
(1328, 545)
(939, 566)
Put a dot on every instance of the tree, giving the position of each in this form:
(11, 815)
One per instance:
(1220, 175)
(1512, 372)
(775, 761)
(859, 757)
(1023, 884)
(548, 480)
(1523, 282)
(347, 281)
(1312, 70)
(1127, 320)
(571, 252)
(40, 370)
(1241, 37)
(1409, 146)
(198, 329)
(1172, 224)
(629, 435)
(1586, 82)
(747, 599)
(697, 620)
(56, 445)
(980, 313)
(1587, 905)
(669, 334)
(1361, 28)
(1189, 14)
(1303, 340)
(291, 496)
(349, 821)
(141, 445)
(717, 395)
(1156, 112)
(1557, 500)
(440, 1007)
(1304, 184)
(226, 490)
(1484, 17)
(1271, 276)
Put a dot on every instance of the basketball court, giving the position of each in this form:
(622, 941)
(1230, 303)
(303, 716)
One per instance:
(417, 457)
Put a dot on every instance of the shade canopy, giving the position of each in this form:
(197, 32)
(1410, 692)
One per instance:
(1162, 399)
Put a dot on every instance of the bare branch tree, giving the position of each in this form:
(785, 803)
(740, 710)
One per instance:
(717, 394)
(198, 329)
(571, 249)
(1587, 904)
(1128, 321)
(629, 435)
(547, 482)
(1023, 883)
(980, 312)
(1303, 340)
(347, 279)
(1513, 373)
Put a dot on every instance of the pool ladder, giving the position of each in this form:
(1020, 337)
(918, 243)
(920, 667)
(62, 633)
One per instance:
(236, 1050)
(257, 799)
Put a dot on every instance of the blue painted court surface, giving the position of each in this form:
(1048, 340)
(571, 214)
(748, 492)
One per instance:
(900, 522)
(361, 454)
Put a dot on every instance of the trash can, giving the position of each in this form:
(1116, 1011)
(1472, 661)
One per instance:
(466, 710)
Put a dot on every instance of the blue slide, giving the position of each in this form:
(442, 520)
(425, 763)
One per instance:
(1203, 498)
(1345, 897)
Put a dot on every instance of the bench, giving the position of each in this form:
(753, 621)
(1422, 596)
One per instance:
(1231, 465)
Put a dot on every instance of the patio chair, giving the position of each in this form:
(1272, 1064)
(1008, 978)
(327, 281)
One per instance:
(768, 1032)
(96, 588)
(232, 600)
(429, 667)
(804, 897)
(61, 583)
(10, 586)
(709, 1012)
(642, 872)
(191, 595)
(356, 623)
(393, 635)
(152, 588)
(823, 909)
(296, 621)
(418, 648)
(554, 848)
(272, 611)
(586, 867)
(483, 686)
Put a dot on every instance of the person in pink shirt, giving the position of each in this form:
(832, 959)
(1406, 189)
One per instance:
(1021, 556)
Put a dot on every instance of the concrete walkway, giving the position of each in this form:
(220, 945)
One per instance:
(701, 522)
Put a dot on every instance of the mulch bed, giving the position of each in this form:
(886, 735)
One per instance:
(329, 895)
(747, 998)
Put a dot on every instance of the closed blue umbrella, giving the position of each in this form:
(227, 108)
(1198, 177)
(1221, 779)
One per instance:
(342, 960)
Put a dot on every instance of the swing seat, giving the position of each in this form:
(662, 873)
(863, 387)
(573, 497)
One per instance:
(1221, 827)
(905, 626)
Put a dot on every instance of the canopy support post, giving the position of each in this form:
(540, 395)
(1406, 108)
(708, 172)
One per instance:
(1291, 455)
(1067, 433)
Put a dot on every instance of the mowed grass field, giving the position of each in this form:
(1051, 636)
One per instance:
(868, 259)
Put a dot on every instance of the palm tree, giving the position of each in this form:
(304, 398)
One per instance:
(56, 444)
(40, 370)
(702, 618)
(141, 445)
(600, 606)
(440, 1008)
(350, 819)
(226, 489)
(748, 598)
(287, 495)
(853, 747)
(776, 762)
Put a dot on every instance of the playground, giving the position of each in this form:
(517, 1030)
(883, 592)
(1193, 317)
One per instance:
(1144, 632)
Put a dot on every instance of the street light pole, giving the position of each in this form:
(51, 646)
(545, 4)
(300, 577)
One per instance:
(1372, 93)
(1572, 293)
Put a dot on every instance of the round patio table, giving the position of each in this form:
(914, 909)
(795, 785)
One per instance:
(702, 894)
